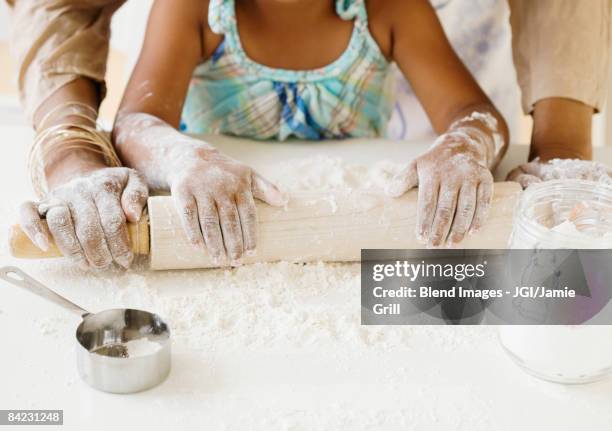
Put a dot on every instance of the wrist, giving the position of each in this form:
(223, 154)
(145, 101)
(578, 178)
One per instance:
(547, 152)
(460, 141)
(186, 153)
(487, 134)
(561, 129)
(155, 148)
(66, 165)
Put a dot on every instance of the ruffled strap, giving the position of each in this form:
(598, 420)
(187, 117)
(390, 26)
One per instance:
(220, 15)
(351, 9)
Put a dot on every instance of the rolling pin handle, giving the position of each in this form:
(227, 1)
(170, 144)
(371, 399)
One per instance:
(21, 246)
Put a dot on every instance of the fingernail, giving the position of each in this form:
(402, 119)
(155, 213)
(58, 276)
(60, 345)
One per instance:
(236, 263)
(217, 260)
(136, 214)
(42, 242)
(456, 239)
(421, 237)
(283, 199)
(393, 190)
(436, 241)
(82, 264)
(251, 252)
(196, 243)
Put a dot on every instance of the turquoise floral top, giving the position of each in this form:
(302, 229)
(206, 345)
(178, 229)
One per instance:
(232, 94)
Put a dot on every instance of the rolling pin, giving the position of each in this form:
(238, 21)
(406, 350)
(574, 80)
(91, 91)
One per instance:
(313, 226)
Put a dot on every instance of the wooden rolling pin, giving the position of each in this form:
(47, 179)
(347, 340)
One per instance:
(327, 226)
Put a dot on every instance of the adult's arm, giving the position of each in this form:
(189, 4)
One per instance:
(61, 48)
(57, 42)
(561, 51)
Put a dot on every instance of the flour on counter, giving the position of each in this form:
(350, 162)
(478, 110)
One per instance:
(328, 173)
(270, 305)
(51, 325)
(290, 313)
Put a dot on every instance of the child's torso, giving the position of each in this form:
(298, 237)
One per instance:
(331, 82)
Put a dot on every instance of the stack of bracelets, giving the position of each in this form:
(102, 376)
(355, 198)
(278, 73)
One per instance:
(66, 136)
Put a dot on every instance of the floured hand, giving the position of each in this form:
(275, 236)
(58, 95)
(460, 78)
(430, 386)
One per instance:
(454, 179)
(87, 216)
(214, 195)
(455, 191)
(555, 169)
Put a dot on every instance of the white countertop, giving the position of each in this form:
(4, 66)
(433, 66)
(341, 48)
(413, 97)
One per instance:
(422, 378)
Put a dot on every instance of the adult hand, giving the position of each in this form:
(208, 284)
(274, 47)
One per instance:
(455, 189)
(214, 196)
(537, 171)
(86, 216)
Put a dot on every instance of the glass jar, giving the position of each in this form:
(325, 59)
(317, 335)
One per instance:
(560, 214)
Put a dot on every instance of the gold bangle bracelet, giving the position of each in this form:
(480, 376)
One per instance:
(67, 136)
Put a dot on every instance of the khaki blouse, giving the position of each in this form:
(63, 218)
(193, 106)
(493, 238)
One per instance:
(561, 48)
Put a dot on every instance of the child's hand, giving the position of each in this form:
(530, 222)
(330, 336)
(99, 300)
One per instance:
(214, 194)
(455, 189)
(214, 197)
(86, 217)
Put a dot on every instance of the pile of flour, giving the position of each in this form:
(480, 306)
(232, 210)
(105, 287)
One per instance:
(327, 173)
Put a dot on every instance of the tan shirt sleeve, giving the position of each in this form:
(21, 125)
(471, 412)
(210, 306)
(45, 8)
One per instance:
(57, 41)
(561, 48)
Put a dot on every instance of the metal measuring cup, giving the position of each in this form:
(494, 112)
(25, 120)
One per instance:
(103, 360)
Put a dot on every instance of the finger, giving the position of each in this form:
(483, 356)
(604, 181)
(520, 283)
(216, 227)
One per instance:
(209, 222)
(524, 179)
(188, 213)
(61, 227)
(231, 229)
(267, 192)
(535, 167)
(134, 196)
(33, 226)
(112, 219)
(89, 231)
(445, 212)
(527, 180)
(484, 197)
(515, 173)
(248, 220)
(403, 181)
(466, 207)
(426, 208)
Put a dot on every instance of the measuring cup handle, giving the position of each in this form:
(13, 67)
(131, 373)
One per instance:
(19, 278)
